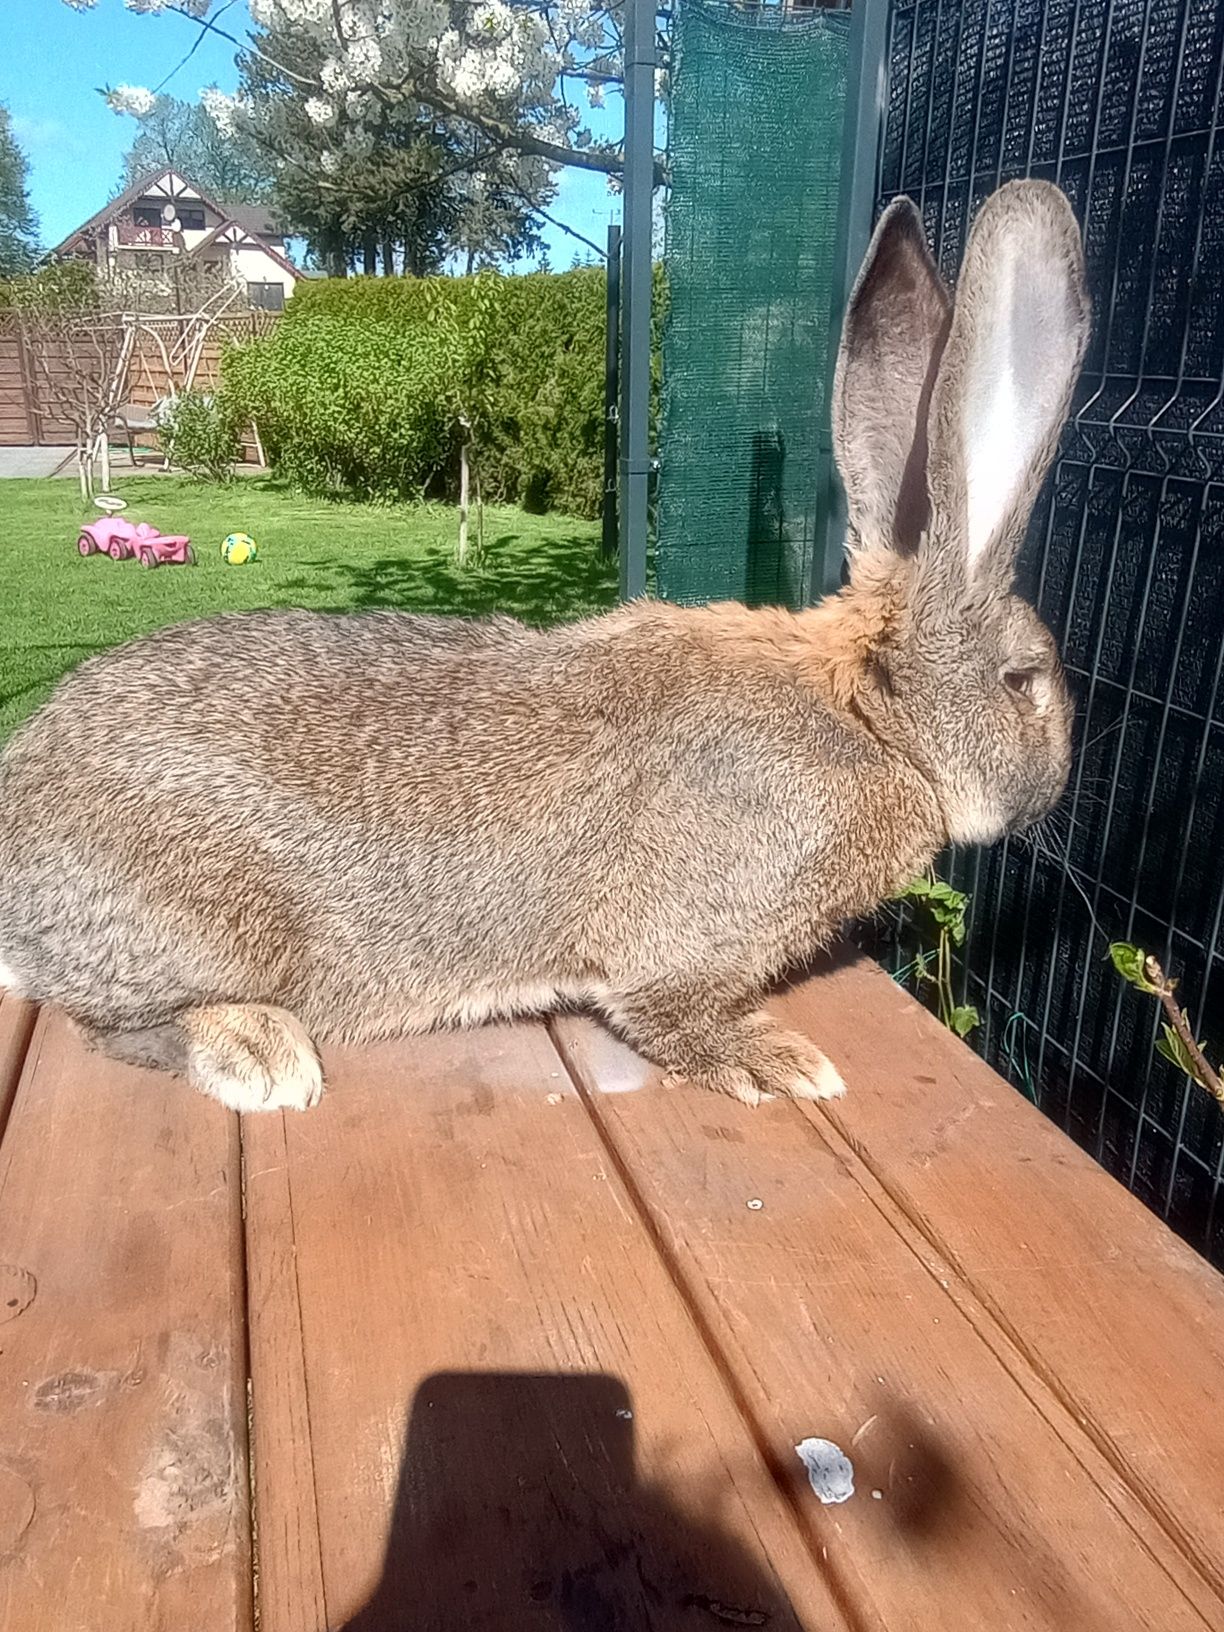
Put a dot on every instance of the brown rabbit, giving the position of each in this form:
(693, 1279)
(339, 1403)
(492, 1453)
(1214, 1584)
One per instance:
(231, 838)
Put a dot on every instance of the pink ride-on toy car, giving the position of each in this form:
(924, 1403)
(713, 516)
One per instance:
(122, 540)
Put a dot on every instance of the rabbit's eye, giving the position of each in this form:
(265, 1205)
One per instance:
(1020, 682)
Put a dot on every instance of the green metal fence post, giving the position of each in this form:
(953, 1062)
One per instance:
(611, 389)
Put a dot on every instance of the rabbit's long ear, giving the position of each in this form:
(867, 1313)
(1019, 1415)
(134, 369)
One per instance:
(895, 326)
(1019, 331)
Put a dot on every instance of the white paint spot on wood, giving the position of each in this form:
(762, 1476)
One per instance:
(830, 1471)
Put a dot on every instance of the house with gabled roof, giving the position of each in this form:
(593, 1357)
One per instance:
(163, 215)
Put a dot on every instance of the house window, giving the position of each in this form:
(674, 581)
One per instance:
(150, 215)
(268, 297)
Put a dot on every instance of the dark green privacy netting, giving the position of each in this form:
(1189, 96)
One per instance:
(755, 147)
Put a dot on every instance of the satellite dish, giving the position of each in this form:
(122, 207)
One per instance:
(168, 213)
(110, 502)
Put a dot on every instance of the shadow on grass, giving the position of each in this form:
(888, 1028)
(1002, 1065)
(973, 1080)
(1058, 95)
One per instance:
(550, 580)
(67, 654)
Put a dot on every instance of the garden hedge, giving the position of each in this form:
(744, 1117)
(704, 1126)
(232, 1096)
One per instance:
(354, 391)
(59, 286)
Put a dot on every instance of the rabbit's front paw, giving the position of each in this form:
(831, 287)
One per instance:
(252, 1058)
(798, 1068)
(765, 1062)
(697, 1036)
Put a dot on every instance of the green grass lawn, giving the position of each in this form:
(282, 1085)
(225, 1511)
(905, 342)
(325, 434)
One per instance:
(58, 608)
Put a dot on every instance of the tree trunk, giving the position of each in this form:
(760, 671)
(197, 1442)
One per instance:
(388, 256)
(369, 255)
(104, 453)
(461, 554)
(334, 257)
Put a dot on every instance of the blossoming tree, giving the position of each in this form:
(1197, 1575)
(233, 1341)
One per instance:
(521, 73)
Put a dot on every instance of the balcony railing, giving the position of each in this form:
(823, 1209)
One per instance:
(134, 236)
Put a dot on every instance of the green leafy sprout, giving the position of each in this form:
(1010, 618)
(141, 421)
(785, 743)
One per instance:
(1176, 1042)
(945, 909)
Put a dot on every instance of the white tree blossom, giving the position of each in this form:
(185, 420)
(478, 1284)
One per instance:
(133, 99)
(193, 8)
(513, 71)
(221, 108)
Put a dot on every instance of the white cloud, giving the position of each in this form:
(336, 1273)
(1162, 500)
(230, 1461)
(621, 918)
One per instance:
(42, 135)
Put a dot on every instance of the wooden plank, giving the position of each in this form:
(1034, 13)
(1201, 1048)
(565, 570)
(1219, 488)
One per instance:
(16, 1028)
(18, 425)
(979, 1503)
(122, 1399)
(1107, 1304)
(468, 1360)
(291, 1573)
(25, 366)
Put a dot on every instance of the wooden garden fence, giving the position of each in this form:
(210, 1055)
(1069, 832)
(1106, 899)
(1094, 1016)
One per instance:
(162, 354)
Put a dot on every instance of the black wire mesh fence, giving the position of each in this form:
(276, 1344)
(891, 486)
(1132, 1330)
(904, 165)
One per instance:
(1118, 101)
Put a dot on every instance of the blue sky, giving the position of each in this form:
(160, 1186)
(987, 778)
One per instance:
(52, 59)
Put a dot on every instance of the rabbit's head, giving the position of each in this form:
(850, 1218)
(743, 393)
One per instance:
(946, 418)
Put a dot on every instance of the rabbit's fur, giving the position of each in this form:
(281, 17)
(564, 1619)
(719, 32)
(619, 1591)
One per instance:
(234, 837)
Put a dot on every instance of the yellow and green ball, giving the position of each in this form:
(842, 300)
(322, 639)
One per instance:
(237, 549)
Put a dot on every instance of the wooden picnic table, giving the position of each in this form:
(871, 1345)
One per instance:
(504, 1336)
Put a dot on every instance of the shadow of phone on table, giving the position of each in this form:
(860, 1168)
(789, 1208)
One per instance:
(519, 1510)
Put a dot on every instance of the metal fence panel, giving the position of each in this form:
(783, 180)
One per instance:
(1118, 101)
